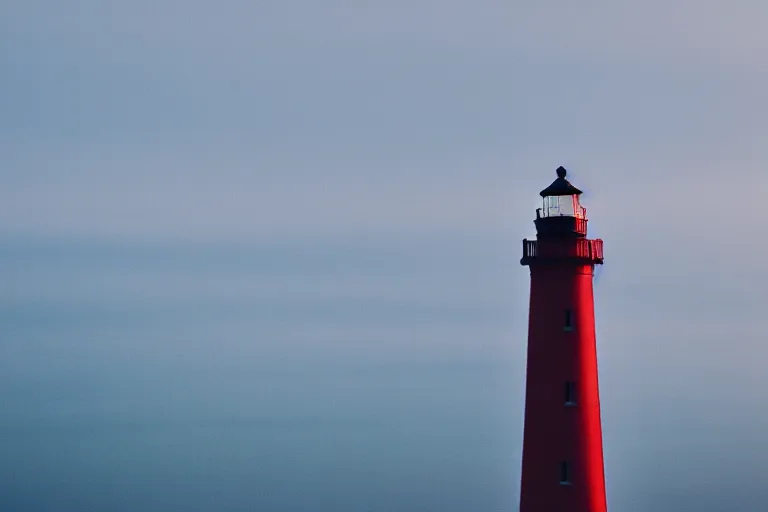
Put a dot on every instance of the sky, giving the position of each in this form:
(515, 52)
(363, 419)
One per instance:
(326, 200)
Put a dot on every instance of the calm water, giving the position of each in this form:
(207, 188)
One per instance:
(340, 377)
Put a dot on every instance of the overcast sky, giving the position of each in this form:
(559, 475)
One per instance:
(256, 118)
(421, 126)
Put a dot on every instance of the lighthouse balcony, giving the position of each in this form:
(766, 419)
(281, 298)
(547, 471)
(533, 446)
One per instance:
(561, 225)
(580, 251)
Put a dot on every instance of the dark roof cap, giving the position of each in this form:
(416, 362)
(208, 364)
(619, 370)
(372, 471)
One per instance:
(561, 186)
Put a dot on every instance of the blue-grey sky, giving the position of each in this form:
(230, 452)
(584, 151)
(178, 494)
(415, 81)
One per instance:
(306, 217)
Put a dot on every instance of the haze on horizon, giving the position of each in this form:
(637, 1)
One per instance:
(264, 256)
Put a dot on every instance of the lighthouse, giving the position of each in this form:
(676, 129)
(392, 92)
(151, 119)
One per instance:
(562, 466)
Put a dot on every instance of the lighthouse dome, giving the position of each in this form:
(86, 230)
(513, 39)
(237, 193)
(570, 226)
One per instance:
(561, 186)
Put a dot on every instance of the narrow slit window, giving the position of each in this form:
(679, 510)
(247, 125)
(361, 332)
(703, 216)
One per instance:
(568, 324)
(565, 473)
(570, 393)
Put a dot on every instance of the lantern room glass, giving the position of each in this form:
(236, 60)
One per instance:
(563, 206)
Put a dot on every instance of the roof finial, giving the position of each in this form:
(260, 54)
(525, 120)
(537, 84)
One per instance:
(560, 187)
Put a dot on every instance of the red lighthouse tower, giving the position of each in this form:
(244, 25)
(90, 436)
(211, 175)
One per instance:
(562, 469)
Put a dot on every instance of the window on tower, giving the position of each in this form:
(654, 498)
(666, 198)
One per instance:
(565, 473)
(570, 393)
(568, 324)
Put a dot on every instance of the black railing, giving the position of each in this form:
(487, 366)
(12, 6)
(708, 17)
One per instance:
(529, 248)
